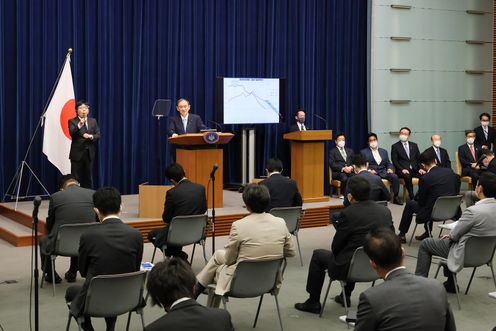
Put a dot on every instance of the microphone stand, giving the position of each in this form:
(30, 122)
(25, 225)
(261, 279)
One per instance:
(36, 203)
(212, 176)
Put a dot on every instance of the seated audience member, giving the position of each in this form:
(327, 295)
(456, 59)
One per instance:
(476, 221)
(442, 157)
(485, 135)
(72, 204)
(299, 124)
(352, 224)
(283, 190)
(110, 248)
(469, 154)
(185, 198)
(340, 161)
(405, 155)
(380, 165)
(257, 236)
(378, 191)
(437, 182)
(489, 162)
(404, 301)
(171, 284)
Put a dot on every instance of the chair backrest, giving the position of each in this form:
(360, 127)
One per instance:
(458, 165)
(360, 269)
(291, 215)
(479, 251)
(252, 278)
(187, 230)
(113, 295)
(445, 208)
(68, 235)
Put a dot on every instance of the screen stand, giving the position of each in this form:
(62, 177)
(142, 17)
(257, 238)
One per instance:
(247, 155)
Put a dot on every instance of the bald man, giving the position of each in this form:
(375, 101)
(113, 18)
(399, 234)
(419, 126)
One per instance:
(442, 157)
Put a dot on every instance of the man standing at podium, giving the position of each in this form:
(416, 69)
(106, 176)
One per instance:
(185, 122)
(299, 124)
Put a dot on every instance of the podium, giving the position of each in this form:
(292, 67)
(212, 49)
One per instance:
(199, 158)
(151, 200)
(307, 162)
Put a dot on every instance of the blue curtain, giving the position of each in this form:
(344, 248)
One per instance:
(129, 53)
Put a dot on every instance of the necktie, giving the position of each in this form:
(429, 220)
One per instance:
(405, 145)
(438, 154)
(185, 124)
(485, 131)
(472, 151)
(303, 127)
(343, 153)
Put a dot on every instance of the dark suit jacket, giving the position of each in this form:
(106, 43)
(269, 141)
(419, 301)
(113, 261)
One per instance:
(352, 224)
(294, 127)
(492, 166)
(466, 157)
(378, 191)
(70, 206)
(110, 248)
(445, 161)
(336, 161)
(283, 191)
(400, 158)
(480, 138)
(385, 163)
(388, 306)
(432, 185)
(194, 124)
(79, 144)
(186, 198)
(189, 315)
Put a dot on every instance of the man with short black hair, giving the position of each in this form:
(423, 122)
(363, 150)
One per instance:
(184, 122)
(283, 190)
(171, 285)
(404, 301)
(352, 224)
(437, 182)
(185, 198)
(469, 155)
(299, 121)
(476, 221)
(489, 162)
(109, 248)
(257, 236)
(340, 161)
(485, 135)
(72, 204)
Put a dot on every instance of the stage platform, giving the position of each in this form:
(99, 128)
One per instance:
(15, 225)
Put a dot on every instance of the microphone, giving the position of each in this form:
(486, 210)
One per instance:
(36, 203)
(322, 119)
(219, 127)
(214, 169)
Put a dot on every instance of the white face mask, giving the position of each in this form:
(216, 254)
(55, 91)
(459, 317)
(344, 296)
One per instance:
(373, 144)
(484, 123)
(470, 141)
(403, 137)
(437, 143)
(341, 143)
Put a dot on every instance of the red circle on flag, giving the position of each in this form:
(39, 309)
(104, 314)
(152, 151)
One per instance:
(68, 112)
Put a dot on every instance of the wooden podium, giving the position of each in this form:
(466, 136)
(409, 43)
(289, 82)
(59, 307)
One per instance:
(307, 162)
(199, 160)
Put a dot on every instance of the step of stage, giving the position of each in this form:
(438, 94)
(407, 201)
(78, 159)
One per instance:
(15, 233)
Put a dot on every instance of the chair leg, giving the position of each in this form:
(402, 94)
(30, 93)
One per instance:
(413, 233)
(68, 322)
(52, 258)
(470, 281)
(490, 264)
(43, 267)
(299, 249)
(258, 311)
(429, 231)
(373, 283)
(456, 290)
(437, 271)
(128, 321)
(344, 297)
(79, 321)
(142, 316)
(204, 252)
(192, 254)
(278, 312)
(154, 251)
(325, 298)
(441, 230)
(224, 300)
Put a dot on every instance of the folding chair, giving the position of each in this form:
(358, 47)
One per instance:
(293, 217)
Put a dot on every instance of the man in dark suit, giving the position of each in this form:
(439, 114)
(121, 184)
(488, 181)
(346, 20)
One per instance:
(405, 156)
(442, 157)
(404, 301)
(469, 154)
(109, 248)
(185, 198)
(184, 122)
(283, 190)
(380, 165)
(85, 133)
(72, 204)
(299, 124)
(340, 161)
(437, 182)
(171, 286)
(352, 224)
(485, 135)
(489, 162)
(378, 191)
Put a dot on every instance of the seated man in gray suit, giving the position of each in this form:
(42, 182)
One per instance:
(476, 221)
(389, 306)
(171, 284)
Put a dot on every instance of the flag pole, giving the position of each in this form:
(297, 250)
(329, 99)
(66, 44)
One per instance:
(17, 179)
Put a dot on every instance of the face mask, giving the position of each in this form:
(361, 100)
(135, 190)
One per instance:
(470, 141)
(403, 137)
(341, 143)
(373, 144)
(301, 120)
(484, 123)
(437, 143)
